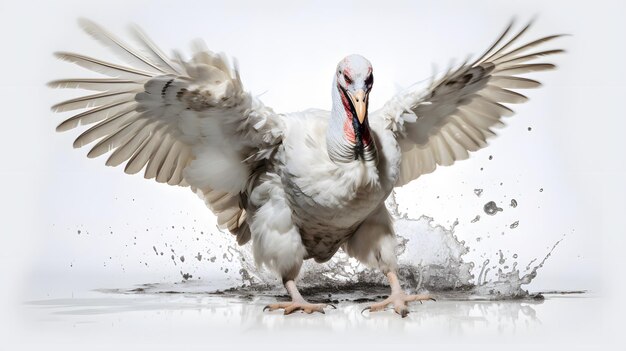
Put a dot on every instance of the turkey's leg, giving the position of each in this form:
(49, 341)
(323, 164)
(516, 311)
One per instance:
(297, 302)
(397, 298)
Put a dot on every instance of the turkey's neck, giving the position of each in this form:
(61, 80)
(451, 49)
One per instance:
(348, 140)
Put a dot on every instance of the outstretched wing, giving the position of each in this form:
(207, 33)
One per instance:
(187, 123)
(456, 113)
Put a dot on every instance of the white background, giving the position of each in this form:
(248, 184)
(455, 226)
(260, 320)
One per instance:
(288, 52)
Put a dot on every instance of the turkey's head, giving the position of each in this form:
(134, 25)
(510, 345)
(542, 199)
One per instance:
(354, 82)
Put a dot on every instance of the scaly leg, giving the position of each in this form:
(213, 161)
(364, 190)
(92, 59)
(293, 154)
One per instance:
(297, 302)
(397, 298)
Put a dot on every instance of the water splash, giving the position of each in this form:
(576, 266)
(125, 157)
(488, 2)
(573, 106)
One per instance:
(431, 259)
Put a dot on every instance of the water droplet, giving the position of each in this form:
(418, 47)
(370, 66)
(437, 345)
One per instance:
(490, 157)
(514, 255)
(478, 192)
(530, 128)
(541, 190)
(502, 259)
(491, 208)
(514, 225)
(513, 203)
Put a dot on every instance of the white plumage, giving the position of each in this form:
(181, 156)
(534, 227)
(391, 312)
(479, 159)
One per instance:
(300, 185)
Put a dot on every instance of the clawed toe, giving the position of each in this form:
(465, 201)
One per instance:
(291, 307)
(402, 311)
(399, 302)
(276, 306)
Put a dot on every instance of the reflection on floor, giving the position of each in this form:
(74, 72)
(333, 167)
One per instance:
(155, 307)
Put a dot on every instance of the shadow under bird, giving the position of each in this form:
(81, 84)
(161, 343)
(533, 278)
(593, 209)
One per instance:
(297, 185)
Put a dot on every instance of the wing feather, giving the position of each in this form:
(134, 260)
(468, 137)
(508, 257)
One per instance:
(526, 47)
(186, 123)
(154, 165)
(528, 57)
(96, 114)
(156, 54)
(107, 127)
(118, 138)
(97, 84)
(522, 69)
(496, 93)
(126, 151)
(125, 52)
(94, 100)
(106, 68)
(166, 170)
(140, 159)
(457, 112)
(512, 82)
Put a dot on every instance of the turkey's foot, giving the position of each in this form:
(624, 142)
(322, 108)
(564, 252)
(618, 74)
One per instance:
(397, 298)
(399, 301)
(301, 305)
(297, 303)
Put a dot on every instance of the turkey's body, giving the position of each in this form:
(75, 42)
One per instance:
(323, 202)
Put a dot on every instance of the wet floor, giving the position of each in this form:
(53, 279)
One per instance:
(150, 317)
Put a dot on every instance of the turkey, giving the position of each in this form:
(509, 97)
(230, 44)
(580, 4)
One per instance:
(300, 185)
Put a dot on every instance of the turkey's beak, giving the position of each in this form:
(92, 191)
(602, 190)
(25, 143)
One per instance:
(359, 101)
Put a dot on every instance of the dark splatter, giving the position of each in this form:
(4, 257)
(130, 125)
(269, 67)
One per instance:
(491, 208)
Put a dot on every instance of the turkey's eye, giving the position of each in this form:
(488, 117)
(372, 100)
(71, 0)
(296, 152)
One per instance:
(347, 79)
(370, 80)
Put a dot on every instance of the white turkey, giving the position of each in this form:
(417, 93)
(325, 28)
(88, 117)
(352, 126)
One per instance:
(297, 185)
